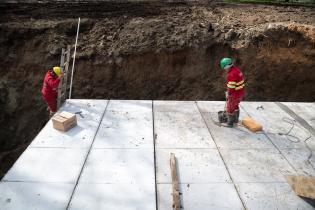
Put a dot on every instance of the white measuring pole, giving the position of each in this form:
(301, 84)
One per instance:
(75, 50)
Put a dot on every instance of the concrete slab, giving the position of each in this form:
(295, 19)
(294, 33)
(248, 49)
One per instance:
(80, 136)
(304, 110)
(214, 196)
(237, 137)
(120, 166)
(175, 106)
(257, 165)
(31, 196)
(299, 159)
(181, 130)
(125, 130)
(275, 121)
(210, 106)
(130, 106)
(194, 166)
(215, 106)
(227, 138)
(277, 196)
(113, 197)
(121, 160)
(119, 172)
(47, 165)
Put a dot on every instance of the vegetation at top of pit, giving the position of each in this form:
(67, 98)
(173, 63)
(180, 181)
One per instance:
(277, 2)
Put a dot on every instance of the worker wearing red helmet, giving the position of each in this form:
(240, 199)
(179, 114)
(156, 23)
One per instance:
(235, 90)
(50, 88)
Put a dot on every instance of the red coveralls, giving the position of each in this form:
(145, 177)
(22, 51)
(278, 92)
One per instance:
(49, 90)
(235, 89)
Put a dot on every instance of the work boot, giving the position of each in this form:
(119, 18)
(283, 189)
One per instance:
(237, 115)
(230, 120)
(222, 116)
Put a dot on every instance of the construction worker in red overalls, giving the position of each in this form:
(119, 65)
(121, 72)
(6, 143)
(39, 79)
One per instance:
(50, 88)
(235, 90)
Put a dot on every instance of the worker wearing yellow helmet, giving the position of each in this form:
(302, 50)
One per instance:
(50, 88)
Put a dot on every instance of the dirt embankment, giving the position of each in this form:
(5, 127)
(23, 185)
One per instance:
(149, 51)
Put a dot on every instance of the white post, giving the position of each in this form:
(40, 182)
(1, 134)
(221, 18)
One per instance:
(75, 50)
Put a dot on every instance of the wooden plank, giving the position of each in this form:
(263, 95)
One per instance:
(175, 186)
(303, 185)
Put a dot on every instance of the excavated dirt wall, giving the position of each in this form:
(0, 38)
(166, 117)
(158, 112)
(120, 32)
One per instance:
(149, 51)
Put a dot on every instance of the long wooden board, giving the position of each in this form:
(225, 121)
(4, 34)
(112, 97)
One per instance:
(176, 193)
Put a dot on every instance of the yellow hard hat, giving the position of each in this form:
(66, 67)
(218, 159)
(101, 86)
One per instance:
(57, 70)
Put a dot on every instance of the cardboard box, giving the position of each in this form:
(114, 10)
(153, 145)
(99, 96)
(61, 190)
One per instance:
(63, 121)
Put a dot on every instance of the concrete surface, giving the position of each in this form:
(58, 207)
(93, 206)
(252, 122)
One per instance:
(31, 195)
(118, 158)
(126, 125)
(82, 135)
(218, 196)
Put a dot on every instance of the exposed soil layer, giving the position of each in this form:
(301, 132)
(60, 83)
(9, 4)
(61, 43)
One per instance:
(149, 51)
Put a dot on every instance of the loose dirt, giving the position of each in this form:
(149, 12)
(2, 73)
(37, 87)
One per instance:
(149, 51)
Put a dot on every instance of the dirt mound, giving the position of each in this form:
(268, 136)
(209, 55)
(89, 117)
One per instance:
(149, 51)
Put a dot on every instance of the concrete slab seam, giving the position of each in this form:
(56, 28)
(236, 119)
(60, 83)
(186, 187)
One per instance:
(238, 193)
(77, 182)
(43, 182)
(154, 157)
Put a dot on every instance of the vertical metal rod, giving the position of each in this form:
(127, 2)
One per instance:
(62, 61)
(75, 50)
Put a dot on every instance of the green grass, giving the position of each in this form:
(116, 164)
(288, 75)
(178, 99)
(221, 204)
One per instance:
(277, 2)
